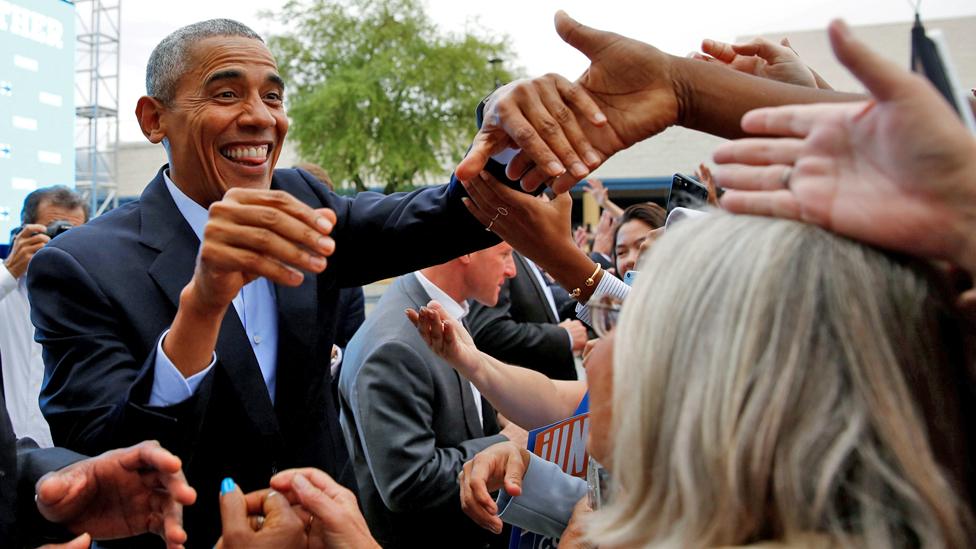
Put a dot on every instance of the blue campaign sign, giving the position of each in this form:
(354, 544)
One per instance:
(37, 114)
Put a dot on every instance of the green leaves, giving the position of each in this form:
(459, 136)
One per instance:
(377, 93)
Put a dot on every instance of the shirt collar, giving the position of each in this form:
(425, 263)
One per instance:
(456, 310)
(194, 214)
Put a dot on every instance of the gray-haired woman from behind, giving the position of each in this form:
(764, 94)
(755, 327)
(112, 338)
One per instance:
(773, 382)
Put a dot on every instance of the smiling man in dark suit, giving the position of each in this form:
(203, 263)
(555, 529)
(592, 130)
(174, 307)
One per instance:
(203, 315)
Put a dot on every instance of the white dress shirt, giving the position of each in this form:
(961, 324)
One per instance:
(457, 311)
(256, 306)
(23, 366)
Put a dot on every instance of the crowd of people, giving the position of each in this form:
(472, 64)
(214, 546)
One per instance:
(790, 368)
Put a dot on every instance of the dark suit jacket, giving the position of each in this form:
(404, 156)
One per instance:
(410, 422)
(522, 329)
(103, 293)
(351, 313)
(22, 464)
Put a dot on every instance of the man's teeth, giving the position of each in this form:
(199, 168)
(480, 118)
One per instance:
(246, 152)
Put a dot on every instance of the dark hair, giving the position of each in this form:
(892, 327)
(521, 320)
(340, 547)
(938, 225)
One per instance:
(648, 212)
(57, 195)
(168, 60)
(318, 172)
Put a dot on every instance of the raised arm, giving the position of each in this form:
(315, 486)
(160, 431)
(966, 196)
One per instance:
(635, 91)
(524, 396)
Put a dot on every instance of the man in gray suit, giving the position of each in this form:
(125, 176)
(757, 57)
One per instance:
(409, 420)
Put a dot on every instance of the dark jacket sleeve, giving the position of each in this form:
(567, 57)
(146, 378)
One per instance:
(95, 391)
(380, 236)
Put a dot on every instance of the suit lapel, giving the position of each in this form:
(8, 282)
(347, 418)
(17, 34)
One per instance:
(523, 266)
(472, 418)
(416, 293)
(298, 327)
(164, 229)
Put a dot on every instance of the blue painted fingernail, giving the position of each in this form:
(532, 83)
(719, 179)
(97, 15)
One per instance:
(226, 486)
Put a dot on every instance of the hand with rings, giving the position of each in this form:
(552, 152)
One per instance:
(334, 517)
(258, 520)
(501, 212)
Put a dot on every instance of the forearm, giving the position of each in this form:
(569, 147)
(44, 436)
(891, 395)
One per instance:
(614, 209)
(713, 99)
(192, 337)
(524, 396)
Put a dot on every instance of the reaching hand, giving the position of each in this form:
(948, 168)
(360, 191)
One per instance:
(447, 338)
(898, 171)
(252, 233)
(499, 465)
(28, 241)
(594, 187)
(704, 174)
(761, 57)
(627, 94)
(120, 493)
(280, 528)
(338, 523)
(577, 333)
(605, 229)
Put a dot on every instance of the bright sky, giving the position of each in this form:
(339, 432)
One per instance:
(676, 26)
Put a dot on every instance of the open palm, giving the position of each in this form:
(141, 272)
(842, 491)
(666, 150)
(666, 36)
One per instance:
(895, 171)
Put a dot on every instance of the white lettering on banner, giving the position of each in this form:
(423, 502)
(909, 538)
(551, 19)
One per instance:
(51, 99)
(23, 183)
(24, 123)
(31, 25)
(26, 63)
(49, 157)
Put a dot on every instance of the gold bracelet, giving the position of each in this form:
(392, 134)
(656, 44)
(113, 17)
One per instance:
(589, 282)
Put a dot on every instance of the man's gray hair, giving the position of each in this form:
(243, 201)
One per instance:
(168, 59)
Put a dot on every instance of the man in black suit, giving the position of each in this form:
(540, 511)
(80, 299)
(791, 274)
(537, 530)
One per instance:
(523, 328)
(203, 315)
(53, 494)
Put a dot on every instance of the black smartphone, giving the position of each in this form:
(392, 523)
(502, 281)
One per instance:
(686, 192)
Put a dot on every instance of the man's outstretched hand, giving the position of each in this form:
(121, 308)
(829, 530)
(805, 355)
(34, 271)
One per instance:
(565, 130)
(120, 493)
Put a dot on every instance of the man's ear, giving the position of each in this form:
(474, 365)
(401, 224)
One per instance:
(149, 112)
(465, 259)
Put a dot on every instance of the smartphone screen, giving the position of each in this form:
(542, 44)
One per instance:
(686, 192)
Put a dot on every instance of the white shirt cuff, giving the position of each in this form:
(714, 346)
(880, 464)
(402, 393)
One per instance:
(7, 281)
(169, 386)
(609, 285)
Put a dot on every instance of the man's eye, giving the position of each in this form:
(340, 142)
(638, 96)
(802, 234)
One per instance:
(226, 95)
(274, 96)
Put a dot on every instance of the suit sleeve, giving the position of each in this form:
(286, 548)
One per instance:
(392, 399)
(95, 389)
(32, 464)
(542, 347)
(380, 236)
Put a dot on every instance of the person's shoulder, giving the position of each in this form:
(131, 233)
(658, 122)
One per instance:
(113, 228)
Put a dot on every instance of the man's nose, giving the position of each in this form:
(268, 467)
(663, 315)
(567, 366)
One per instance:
(257, 114)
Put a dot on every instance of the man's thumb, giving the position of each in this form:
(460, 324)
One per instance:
(587, 40)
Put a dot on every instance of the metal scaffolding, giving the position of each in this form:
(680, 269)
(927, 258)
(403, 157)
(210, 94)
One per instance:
(97, 101)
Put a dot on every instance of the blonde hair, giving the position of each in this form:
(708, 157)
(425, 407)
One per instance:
(773, 380)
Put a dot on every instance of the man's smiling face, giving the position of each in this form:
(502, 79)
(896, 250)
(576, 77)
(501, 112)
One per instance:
(226, 123)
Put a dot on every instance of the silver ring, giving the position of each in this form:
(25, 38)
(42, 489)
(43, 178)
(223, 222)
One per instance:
(784, 178)
(490, 223)
(501, 211)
